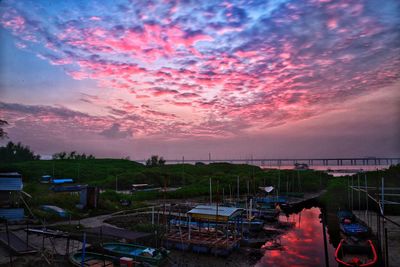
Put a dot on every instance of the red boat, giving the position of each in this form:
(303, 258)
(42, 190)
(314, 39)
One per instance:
(356, 254)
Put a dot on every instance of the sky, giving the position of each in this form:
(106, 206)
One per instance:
(234, 79)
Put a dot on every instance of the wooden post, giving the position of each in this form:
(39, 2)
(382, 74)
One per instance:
(8, 243)
(366, 197)
(359, 192)
(83, 250)
(386, 249)
(152, 215)
(190, 218)
(210, 192)
(67, 247)
(383, 195)
(238, 188)
(325, 243)
(27, 235)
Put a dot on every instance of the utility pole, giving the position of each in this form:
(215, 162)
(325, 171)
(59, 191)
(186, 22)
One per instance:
(238, 189)
(210, 192)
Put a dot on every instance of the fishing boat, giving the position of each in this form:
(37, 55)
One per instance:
(152, 256)
(91, 259)
(356, 254)
(349, 224)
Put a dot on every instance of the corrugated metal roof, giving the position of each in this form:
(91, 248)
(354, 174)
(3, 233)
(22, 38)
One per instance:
(10, 184)
(12, 214)
(212, 210)
(10, 174)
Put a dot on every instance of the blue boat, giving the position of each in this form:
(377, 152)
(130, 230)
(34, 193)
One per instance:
(147, 255)
(55, 210)
(349, 224)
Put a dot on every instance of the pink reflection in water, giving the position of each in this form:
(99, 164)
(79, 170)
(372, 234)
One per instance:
(303, 245)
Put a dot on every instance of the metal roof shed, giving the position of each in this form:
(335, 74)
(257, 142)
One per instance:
(10, 183)
(214, 213)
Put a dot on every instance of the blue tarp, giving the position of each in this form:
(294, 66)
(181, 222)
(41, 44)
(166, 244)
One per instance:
(62, 181)
(353, 228)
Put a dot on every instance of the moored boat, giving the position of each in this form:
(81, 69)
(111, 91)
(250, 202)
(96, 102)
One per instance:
(349, 224)
(91, 259)
(360, 255)
(152, 256)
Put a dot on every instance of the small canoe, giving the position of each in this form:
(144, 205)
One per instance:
(152, 256)
(93, 260)
(356, 255)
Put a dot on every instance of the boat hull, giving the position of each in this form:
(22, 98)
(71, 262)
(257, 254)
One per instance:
(138, 253)
(356, 255)
(93, 260)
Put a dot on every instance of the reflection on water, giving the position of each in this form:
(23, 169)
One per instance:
(303, 245)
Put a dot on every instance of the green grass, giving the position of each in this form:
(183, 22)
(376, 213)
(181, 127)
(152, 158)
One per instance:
(193, 180)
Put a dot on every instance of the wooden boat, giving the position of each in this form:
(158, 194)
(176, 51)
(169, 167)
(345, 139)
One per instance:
(356, 255)
(152, 256)
(93, 260)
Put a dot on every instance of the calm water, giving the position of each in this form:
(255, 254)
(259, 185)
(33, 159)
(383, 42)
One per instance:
(335, 170)
(303, 245)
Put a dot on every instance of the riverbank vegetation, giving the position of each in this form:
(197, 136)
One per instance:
(189, 181)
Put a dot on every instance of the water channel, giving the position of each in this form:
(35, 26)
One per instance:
(302, 245)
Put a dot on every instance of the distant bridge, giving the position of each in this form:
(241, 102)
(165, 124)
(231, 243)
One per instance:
(291, 161)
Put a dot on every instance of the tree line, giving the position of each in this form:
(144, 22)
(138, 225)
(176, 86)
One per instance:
(71, 155)
(16, 152)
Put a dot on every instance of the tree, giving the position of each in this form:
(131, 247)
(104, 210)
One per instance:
(17, 152)
(72, 155)
(3, 134)
(155, 161)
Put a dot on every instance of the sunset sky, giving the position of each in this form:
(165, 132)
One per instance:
(313, 78)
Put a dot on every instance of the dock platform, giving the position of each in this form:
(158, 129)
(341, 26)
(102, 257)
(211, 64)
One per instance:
(16, 244)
